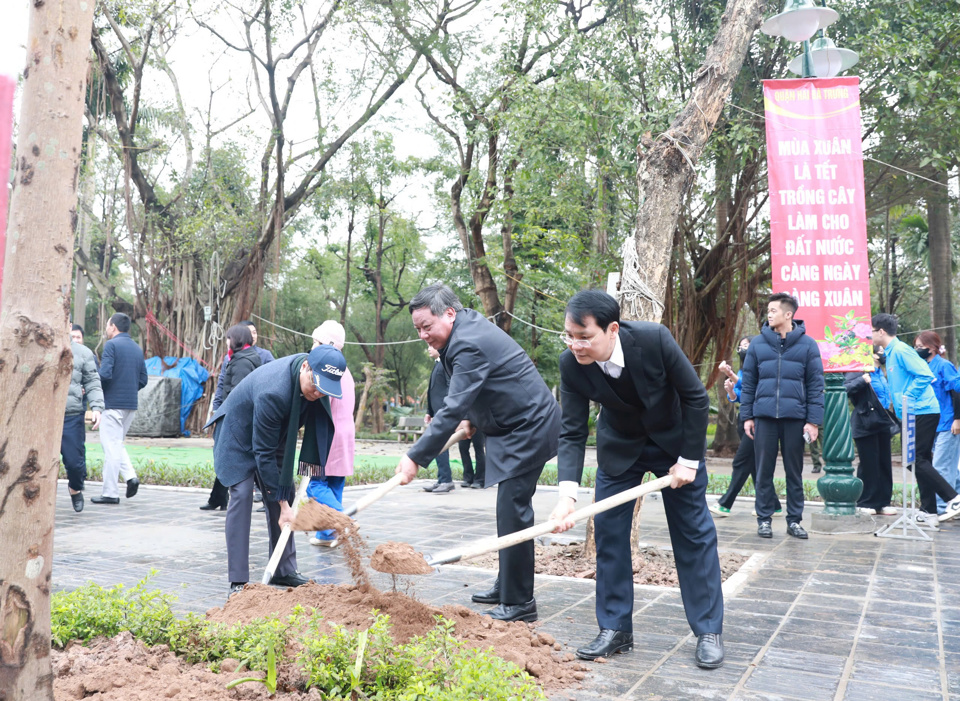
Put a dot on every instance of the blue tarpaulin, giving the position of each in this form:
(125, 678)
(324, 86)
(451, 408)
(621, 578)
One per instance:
(192, 376)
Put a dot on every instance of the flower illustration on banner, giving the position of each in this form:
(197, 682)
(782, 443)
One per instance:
(849, 346)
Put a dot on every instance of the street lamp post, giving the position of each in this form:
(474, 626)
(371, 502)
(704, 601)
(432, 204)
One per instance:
(799, 21)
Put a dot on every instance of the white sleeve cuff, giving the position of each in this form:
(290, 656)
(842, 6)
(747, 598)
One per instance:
(694, 464)
(568, 488)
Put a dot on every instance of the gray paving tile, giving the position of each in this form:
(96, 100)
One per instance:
(861, 691)
(805, 685)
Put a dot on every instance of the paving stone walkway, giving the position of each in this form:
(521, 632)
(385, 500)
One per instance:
(841, 618)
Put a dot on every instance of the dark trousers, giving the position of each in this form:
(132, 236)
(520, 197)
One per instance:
(443, 467)
(692, 535)
(786, 437)
(478, 441)
(930, 482)
(514, 513)
(73, 450)
(744, 467)
(875, 470)
(219, 495)
(237, 531)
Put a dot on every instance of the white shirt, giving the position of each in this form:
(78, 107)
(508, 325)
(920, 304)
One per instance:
(613, 367)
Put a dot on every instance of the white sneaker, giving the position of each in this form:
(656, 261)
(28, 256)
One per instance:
(925, 520)
(718, 510)
(866, 511)
(952, 510)
(888, 511)
(323, 542)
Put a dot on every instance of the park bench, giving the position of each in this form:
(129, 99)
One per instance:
(408, 426)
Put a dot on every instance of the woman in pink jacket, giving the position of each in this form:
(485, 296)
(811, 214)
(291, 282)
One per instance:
(328, 489)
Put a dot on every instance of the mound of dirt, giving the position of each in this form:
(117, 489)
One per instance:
(351, 607)
(399, 558)
(653, 566)
(124, 669)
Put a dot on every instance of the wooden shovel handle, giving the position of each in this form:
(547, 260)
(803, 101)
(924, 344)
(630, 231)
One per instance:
(381, 491)
(490, 545)
(285, 533)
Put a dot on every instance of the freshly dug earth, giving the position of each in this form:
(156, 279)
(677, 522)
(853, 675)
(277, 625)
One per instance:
(351, 607)
(124, 669)
(314, 516)
(399, 558)
(653, 566)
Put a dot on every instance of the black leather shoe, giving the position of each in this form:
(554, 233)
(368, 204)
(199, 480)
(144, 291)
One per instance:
(515, 612)
(709, 651)
(213, 507)
(491, 596)
(294, 579)
(608, 643)
(133, 484)
(764, 530)
(104, 500)
(77, 500)
(466, 484)
(796, 530)
(257, 496)
(235, 587)
(261, 509)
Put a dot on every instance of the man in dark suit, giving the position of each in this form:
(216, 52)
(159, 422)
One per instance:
(494, 387)
(258, 437)
(436, 393)
(653, 419)
(123, 374)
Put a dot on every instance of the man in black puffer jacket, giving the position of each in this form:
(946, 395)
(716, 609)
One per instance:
(781, 405)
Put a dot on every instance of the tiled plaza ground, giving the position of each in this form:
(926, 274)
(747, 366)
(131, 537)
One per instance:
(854, 618)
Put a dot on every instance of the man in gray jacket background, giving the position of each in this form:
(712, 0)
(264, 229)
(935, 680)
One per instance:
(84, 389)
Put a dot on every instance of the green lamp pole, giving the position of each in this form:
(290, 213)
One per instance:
(799, 22)
(838, 487)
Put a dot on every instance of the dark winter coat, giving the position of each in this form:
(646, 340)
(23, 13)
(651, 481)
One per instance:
(241, 364)
(869, 416)
(438, 388)
(122, 372)
(783, 380)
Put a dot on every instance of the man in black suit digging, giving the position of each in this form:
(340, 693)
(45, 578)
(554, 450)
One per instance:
(653, 419)
(494, 387)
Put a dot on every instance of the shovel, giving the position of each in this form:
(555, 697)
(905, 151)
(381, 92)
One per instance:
(381, 491)
(490, 545)
(285, 533)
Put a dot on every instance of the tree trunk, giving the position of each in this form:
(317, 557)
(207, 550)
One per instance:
(941, 264)
(362, 404)
(666, 170)
(35, 357)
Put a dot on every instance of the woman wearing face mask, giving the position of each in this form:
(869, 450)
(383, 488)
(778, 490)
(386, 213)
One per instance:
(744, 462)
(946, 448)
(872, 428)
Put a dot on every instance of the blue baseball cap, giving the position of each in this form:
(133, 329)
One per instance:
(328, 366)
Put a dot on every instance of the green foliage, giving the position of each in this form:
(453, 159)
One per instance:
(93, 611)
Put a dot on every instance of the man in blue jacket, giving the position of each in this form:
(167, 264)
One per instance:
(122, 375)
(781, 404)
(910, 377)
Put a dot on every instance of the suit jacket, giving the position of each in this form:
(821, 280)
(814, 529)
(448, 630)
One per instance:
(122, 372)
(495, 385)
(675, 408)
(254, 431)
(437, 389)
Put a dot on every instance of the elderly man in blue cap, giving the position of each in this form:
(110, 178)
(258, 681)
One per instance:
(258, 441)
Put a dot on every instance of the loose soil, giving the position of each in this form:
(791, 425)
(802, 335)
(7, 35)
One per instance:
(124, 669)
(399, 558)
(314, 516)
(652, 566)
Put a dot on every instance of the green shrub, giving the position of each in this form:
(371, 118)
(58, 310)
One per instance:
(92, 611)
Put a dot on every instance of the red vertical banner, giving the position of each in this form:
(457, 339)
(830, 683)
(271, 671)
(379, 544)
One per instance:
(7, 88)
(818, 221)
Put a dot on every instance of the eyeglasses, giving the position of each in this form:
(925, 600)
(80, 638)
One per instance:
(576, 342)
